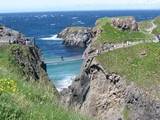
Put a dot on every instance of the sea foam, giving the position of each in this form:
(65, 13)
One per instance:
(65, 83)
(53, 37)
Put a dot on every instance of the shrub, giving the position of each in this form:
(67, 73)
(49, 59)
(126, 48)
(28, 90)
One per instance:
(7, 85)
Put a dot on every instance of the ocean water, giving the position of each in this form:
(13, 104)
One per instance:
(45, 26)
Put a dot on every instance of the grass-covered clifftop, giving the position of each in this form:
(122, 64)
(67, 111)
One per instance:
(27, 100)
(138, 63)
(111, 34)
(120, 77)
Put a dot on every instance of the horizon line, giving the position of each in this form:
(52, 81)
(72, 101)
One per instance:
(78, 11)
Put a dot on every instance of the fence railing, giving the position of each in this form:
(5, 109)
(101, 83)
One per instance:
(23, 41)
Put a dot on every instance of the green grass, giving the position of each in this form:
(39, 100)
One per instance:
(3, 56)
(31, 100)
(139, 64)
(126, 113)
(111, 34)
(145, 25)
(156, 31)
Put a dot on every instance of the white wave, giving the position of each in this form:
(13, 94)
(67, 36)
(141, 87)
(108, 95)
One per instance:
(53, 24)
(53, 37)
(36, 16)
(52, 16)
(65, 83)
(74, 18)
(43, 16)
(80, 22)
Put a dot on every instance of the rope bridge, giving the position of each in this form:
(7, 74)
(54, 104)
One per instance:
(59, 60)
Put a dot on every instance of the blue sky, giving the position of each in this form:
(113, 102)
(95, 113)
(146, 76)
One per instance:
(63, 5)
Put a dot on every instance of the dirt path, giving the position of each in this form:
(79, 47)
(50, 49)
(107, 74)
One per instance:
(152, 28)
(117, 46)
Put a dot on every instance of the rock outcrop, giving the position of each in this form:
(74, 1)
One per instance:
(107, 96)
(76, 36)
(128, 23)
(8, 35)
(26, 56)
(29, 61)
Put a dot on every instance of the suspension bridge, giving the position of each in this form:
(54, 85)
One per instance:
(59, 60)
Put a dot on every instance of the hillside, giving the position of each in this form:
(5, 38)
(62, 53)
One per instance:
(120, 75)
(156, 31)
(139, 64)
(25, 90)
(111, 34)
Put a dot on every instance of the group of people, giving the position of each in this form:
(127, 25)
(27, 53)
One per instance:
(20, 41)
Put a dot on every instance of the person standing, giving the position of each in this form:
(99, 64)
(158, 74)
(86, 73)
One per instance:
(62, 58)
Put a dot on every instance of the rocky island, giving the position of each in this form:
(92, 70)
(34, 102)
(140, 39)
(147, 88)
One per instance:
(121, 81)
(76, 36)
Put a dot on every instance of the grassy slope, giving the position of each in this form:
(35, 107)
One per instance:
(156, 31)
(111, 34)
(128, 62)
(31, 101)
(140, 64)
(145, 25)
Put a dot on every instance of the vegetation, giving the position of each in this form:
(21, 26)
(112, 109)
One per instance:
(111, 34)
(126, 113)
(156, 31)
(24, 100)
(145, 25)
(139, 64)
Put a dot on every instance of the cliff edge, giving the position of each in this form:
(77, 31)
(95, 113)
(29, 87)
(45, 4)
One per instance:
(120, 74)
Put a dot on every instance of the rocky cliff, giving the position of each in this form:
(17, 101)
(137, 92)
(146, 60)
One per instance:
(9, 35)
(76, 36)
(107, 92)
(29, 61)
(109, 97)
(26, 57)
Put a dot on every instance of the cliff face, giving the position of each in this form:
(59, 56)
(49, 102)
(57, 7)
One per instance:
(76, 36)
(8, 35)
(29, 61)
(26, 57)
(106, 95)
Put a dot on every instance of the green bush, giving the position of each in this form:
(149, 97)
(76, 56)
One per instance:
(7, 85)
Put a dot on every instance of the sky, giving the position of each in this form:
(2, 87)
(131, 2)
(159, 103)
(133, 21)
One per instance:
(71, 5)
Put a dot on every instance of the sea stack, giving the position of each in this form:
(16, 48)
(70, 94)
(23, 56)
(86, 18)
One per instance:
(76, 36)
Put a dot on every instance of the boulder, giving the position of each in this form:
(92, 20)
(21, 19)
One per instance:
(128, 23)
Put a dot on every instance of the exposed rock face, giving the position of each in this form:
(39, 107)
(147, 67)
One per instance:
(76, 36)
(27, 57)
(29, 61)
(107, 96)
(8, 35)
(125, 23)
